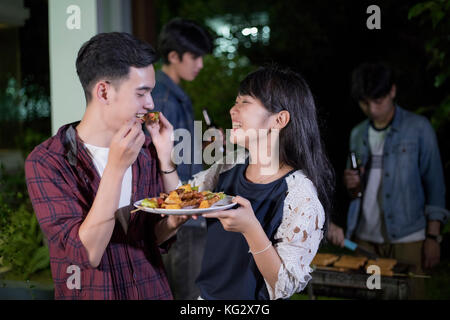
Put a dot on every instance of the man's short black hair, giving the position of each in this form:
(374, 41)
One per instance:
(109, 56)
(371, 81)
(181, 36)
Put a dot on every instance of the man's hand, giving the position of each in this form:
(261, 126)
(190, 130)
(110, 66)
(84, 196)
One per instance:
(336, 235)
(167, 228)
(161, 133)
(175, 221)
(125, 146)
(352, 181)
(431, 253)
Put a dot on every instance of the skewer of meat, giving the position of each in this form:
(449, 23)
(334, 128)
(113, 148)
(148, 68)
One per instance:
(192, 202)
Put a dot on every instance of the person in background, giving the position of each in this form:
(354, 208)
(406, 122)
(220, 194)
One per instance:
(402, 207)
(182, 45)
(83, 180)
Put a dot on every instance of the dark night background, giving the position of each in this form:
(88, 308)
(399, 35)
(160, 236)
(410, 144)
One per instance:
(323, 40)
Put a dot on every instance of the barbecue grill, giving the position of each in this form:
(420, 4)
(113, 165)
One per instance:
(334, 282)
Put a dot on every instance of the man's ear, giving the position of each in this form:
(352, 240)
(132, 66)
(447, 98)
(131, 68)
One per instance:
(393, 92)
(173, 57)
(101, 91)
(282, 119)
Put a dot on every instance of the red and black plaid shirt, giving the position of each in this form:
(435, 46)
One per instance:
(62, 183)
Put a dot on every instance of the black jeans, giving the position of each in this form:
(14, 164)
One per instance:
(183, 261)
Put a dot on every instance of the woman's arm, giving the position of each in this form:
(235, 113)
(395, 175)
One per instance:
(285, 265)
(266, 257)
(298, 237)
(243, 220)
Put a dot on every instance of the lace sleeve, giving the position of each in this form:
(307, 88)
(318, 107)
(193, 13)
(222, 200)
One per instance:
(207, 179)
(298, 236)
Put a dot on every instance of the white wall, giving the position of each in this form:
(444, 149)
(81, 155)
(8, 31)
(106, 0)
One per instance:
(67, 98)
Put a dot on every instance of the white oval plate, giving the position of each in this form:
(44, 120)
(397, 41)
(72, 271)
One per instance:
(223, 204)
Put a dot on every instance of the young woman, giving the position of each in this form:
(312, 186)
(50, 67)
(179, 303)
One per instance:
(262, 249)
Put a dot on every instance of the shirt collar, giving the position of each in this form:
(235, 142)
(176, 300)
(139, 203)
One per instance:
(397, 118)
(71, 141)
(172, 86)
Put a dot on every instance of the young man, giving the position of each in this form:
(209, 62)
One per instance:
(182, 45)
(402, 207)
(79, 178)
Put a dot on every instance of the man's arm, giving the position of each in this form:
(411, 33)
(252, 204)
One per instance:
(57, 208)
(169, 176)
(96, 230)
(161, 133)
(434, 187)
(432, 175)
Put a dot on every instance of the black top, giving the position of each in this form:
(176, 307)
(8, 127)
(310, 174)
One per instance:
(228, 269)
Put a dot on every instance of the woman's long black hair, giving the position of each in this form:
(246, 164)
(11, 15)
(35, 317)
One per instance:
(301, 145)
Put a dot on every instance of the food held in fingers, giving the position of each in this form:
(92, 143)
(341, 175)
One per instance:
(153, 117)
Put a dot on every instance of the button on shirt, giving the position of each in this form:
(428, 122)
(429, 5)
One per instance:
(372, 225)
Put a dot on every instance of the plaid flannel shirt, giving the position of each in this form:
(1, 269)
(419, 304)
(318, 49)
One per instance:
(62, 183)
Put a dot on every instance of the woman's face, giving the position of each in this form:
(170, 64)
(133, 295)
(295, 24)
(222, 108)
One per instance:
(248, 116)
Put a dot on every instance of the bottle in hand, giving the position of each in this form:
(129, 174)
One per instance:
(210, 124)
(355, 166)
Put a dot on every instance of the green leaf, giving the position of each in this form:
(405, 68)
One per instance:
(440, 79)
(446, 229)
(419, 8)
(39, 261)
(436, 15)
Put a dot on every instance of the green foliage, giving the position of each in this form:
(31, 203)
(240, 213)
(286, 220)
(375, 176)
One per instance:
(24, 116)
(22, 103)
(28, 139)
(215, 88)
(22, 248)
(438, 47)
(438, 286)
(437, 10)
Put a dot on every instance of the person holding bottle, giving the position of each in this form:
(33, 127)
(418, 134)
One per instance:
(402, 208)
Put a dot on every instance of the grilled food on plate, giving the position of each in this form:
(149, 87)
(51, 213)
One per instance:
(184, 196)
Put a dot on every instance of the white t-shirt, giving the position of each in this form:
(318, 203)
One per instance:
(100, 158)
(371, 226)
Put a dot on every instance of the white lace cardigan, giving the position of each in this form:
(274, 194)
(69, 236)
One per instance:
(299, 234)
